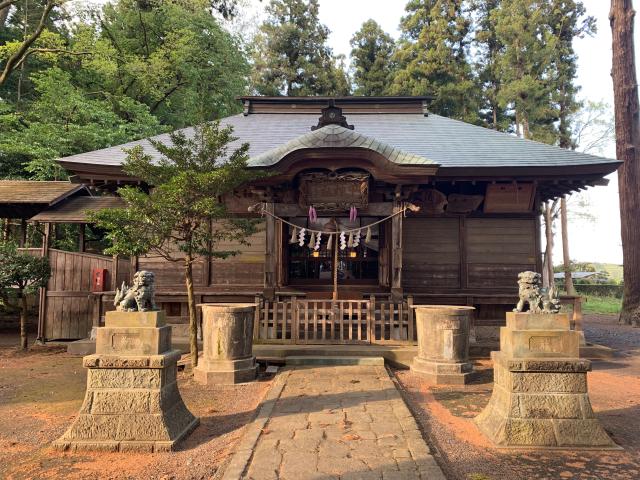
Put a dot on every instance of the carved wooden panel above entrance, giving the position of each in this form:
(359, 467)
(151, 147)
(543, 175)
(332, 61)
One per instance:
(334, 192)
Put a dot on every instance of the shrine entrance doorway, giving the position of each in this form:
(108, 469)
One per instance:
(312, 262)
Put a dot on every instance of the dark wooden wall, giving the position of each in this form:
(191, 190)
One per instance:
(467, 254)
(244, 269)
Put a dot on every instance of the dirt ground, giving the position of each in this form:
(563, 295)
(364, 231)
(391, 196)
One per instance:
(41, 392)
(446, 414)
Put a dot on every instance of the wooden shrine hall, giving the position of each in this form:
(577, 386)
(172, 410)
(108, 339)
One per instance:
(374, 204)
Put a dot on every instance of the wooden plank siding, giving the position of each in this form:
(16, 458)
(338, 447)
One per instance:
(497, 250)
(245, 268)
(71, 308)
(444, 254)
(431, 253)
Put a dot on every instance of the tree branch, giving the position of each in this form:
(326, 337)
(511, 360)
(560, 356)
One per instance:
(6, 3)
(49, 50)
(167, 94)
(18, 57)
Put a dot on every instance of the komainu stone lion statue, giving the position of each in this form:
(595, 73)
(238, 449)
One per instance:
(138, 297)
(532, 294)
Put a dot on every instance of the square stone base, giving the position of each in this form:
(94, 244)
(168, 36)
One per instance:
(541, 403)
(443, 373)
(225, 372)
(131, 403)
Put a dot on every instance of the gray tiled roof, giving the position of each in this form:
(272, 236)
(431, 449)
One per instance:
(416, 138)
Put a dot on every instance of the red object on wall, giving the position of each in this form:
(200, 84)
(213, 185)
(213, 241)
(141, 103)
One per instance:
(98, 279)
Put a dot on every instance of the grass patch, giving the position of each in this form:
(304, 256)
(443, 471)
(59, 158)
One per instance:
(602, 305)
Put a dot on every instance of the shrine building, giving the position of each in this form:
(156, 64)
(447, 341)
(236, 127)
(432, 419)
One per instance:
(374, 204)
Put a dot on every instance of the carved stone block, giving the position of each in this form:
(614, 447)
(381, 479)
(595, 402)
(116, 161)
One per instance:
(540, 396)
(132, 400)
(227, 355)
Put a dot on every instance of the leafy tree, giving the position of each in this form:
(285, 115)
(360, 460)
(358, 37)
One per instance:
(22, 274)
(432, 57)
(371, 54)
(291, 56)
(174, 219)
(175, 57)
(65, 120)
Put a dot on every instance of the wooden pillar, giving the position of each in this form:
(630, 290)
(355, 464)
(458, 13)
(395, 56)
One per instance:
(115, 267)
(396, 253)
(81, 237)
(42, 307)
(270, 255)
(23, 233)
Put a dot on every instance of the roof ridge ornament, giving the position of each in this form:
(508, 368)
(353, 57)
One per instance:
(332, 115)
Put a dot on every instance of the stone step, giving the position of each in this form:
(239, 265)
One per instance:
(333, 360)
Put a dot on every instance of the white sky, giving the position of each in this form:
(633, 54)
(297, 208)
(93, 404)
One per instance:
(597, 241)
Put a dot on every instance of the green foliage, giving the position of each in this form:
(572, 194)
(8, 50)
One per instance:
(109, 75)
(291, 56)
(371, 54)
(536, 64)
(173, 219)
(432, 57)
(175, 57)
(64, 120)
(21, 272)
(602, 305)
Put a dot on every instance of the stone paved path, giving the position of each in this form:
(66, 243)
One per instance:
(346, 422)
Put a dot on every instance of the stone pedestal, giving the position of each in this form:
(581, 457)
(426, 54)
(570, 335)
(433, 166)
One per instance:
(443, 344)
(540, 396)
(132, 400)
(227, 355)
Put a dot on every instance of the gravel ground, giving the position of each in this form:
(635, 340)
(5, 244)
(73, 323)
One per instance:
(41, 392)
(446, 413)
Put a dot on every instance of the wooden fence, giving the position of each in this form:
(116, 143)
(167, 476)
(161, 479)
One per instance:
(68, 308)
(335, 322)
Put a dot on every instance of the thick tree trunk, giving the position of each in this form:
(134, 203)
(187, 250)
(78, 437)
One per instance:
(625, 89)
(191, 304)
(566, 259)
(23, 321)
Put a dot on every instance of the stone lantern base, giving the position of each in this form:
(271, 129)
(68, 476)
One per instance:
(132, 400)
(443, 344)
(440, 373)
(225, 372)
(227, 354)
(540, 396)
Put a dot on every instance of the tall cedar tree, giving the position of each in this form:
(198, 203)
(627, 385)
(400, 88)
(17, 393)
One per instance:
(536, 64)
(371, 59)
(433, 59)
(627, 113)
(182, 217)
(486, 65)
(21, 274)
(291, 55)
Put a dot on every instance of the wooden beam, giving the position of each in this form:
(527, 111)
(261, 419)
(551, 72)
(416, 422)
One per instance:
(81, 237)
(270, 255)
(42, 307)
(380, 209)
(396, 253)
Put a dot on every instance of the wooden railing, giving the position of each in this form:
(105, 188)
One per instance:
(335, 322)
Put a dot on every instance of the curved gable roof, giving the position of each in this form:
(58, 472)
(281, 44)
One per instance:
(336, 136)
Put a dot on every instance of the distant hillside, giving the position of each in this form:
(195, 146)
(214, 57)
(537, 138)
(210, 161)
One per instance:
(614, 271)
